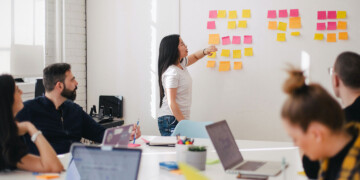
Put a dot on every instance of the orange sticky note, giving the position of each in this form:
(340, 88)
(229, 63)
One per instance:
(214, 39)
(224, 66)
(210, 64)
(231, 24)
(342, 25)
(213, 55)
(242, 24)
(343, 36)
(47, 176)
(221, 14)
(319, 36)
(248, 51)
(281, 37)
(282, 26)
(177, 172)
(225, 52)
(295, 23)
(246, 13)
(236, 53)
(237, 65)
(272, 25)
(232, 15)
(331, 37)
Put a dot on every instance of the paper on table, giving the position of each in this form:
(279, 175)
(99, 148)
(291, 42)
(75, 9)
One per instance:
(191, 173)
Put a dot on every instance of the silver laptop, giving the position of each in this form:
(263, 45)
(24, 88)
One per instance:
(230, 156)
(105, 162)
(117, 136)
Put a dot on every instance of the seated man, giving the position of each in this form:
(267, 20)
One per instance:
(61, 121)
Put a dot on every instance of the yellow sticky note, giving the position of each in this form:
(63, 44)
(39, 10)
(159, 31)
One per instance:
(242, 24)
(225, 52)
(221, 13)
(281, 37)
(232, 14)
(248, 51)
(231, 24)
(272, 25)
(295, 22)
(224, 66)
(214, 39)
(343, 36)
(341, 15)
(319, 36)
(191, 173)
(237, 65)
(282, 26)
(295, 33)
(236, 53)
(331, 37)
(246, 13)
(342, 25)
(213, 55)
(210, 64)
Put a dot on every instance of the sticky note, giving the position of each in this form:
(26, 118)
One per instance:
(221, 14)
(247, 39)
(320, 26)
(237, 65)
(271, 14)
(210, 64)
(191, 173)
(246, 13)
(342, 25)
(295, 33)
(272, 25)
(224, 66)
(213, 14)
(283, 13)
(321, 15)
(231, 24)
(343, 36)
(331, 37)
(319, 36)
(225, 52)
(232, 14)
(242, 24)
(282, 26)
(237, 53)
(331, 26)
(214, 39)
(211, 24)
(47, 176)
(294, 22)
(341, 14)
(225, 40)
(331, 14)
(248, 51)
(213, 55)
(281, 37)
(294, 12)
(236, 39)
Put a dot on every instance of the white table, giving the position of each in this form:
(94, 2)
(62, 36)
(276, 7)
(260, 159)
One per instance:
(150, 170)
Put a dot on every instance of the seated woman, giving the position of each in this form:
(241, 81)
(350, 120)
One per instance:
(316, 123)
(13, 152)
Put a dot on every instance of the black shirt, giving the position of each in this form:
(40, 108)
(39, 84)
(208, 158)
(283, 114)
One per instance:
(352, 112)
(17, 152)
(60, 127)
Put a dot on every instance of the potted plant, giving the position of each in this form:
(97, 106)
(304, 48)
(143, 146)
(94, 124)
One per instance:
(196, 157)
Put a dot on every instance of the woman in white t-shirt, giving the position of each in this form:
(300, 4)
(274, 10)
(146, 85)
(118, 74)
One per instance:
(175, 82)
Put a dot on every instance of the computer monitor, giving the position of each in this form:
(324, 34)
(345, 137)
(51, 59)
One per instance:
(115, 102)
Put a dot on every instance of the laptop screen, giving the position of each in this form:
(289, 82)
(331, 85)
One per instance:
(225, 144)
(90, 162)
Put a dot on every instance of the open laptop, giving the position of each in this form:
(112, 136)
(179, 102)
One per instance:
(230, 156)
(117, 136)
(106, 162)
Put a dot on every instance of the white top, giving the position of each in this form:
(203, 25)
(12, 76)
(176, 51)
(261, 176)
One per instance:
(174, 77)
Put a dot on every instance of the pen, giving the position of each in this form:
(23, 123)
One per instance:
(135, 131)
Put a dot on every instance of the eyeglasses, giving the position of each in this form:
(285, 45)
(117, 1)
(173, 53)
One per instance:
(331, 70)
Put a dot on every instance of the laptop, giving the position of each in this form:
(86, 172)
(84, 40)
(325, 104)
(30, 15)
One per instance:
(117, 136)
(230, 156)
(106, 162)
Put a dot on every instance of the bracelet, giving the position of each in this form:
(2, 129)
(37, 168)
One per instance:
(204, 52)
(35, 135)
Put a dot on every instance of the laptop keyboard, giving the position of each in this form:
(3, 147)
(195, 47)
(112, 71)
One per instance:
(251, 165)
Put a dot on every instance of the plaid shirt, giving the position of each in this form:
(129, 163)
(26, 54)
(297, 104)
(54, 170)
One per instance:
(350, 168)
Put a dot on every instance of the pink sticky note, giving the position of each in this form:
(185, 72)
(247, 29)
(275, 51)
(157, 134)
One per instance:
(320, 26)
(331, 15)
(225, 40)
(321, 14)
(331, 26)
(236, 39)
(283, 13)
(271, 14)
(211, 24)
(213, 14)
(247, 39)
(294, 12)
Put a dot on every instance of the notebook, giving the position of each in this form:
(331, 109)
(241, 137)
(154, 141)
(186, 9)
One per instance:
(163, 141)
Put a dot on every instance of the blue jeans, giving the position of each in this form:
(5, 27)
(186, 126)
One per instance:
(167, 125)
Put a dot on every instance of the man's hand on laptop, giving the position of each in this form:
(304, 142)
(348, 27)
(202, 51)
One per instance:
(136, 129)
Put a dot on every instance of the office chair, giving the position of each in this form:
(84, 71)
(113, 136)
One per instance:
(39, 88)
(191, 129)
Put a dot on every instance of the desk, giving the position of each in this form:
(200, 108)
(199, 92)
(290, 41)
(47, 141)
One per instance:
(152, 155)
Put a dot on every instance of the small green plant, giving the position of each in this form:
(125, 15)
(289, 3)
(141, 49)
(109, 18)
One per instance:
(197, 148)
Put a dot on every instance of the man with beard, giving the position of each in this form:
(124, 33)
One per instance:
(61, 121)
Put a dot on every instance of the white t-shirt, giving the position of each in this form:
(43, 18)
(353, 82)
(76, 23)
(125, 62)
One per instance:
(174, 77)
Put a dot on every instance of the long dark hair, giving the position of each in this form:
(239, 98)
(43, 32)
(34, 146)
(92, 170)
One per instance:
(10, 143)
(168, 55)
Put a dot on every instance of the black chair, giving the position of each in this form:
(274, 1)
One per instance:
(39, 88)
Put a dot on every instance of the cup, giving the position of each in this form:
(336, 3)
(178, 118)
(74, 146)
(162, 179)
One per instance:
(181, 151)
(196, 159)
